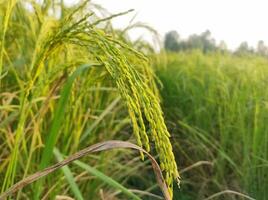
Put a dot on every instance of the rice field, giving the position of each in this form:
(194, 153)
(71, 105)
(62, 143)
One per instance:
(216, 108)
(86, 113)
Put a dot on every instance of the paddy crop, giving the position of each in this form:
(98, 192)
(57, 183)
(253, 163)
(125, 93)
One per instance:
(216, 108)
(63, 71)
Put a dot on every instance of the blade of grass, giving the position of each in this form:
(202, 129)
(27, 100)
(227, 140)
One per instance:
(68, 175)
(111, 182)
(57, 121)
(59, 116)
(229, 192)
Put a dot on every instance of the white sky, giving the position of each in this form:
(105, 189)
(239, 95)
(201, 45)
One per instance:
(233, 21)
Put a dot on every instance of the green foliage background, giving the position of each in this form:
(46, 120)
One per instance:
(216, 108)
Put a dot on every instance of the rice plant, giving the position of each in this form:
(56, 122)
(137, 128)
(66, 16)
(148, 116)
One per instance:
(62, 70)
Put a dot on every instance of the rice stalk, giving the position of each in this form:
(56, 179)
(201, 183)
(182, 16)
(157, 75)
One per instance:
(128, 68)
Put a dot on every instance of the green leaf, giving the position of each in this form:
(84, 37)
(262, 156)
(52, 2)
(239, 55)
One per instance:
(69, 176)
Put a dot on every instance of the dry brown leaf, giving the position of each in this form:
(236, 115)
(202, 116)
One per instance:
(103, 146)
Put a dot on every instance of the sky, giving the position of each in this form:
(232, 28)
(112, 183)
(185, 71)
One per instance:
(233, 21)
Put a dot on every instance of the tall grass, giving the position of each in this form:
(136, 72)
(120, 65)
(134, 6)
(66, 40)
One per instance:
(216, 105)
(62, 71)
